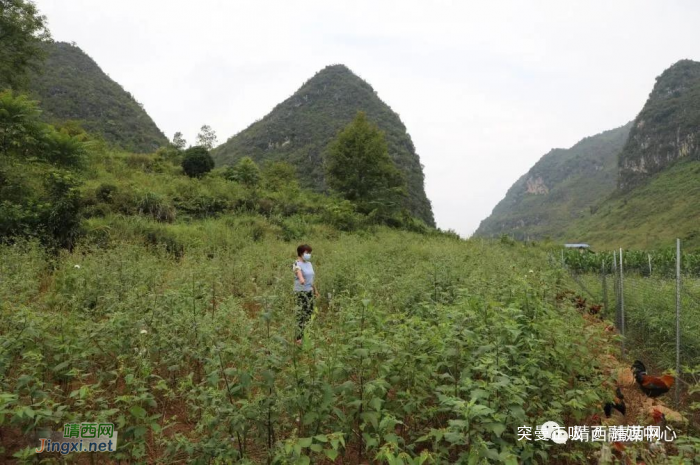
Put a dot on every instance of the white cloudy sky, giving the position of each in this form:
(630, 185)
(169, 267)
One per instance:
(484, 88)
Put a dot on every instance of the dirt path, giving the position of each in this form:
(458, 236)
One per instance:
(640, 410)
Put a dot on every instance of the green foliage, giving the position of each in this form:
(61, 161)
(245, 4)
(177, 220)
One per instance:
(20, 129)
(197, 162)
(179, 141)
(649, 216)
(299, 130)
(565, 184)
(39, 195)
(358, 167)
(22, 32)
(24, 137)
(245, 172)
(206, 137)
(434, 350)
(276, 175)
(662, 261)
(71, 86)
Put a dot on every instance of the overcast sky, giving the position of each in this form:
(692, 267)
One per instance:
(484, 88)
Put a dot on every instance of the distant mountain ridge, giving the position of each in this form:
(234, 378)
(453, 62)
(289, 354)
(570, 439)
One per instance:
(646, 194)
(71, 86)
(667, 128)
(299, 130)
(565, 184)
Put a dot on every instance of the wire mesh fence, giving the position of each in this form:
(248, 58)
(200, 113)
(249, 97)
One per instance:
(652, 298)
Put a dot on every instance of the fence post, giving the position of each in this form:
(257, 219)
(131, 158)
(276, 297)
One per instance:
(563, 264)
(649, 255)
(604, 285)
(622, 304)
(616, 291)
(678, 317)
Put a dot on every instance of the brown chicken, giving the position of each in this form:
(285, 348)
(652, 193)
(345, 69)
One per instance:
(652, 386)
(595, 309)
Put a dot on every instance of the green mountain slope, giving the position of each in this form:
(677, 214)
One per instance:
(658, 198)
(300, 129)
(649, 216)
(667, 128)
(563, 185)
(71, 86)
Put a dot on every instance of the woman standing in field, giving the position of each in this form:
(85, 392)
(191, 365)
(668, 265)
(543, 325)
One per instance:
(304, 288)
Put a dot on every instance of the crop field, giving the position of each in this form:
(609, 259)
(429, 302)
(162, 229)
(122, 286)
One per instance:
(423, 348)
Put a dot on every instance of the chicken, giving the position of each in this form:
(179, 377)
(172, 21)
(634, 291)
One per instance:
(580, 303)
(658, 416)
(618, 404)
(594, 309)
(652, 386)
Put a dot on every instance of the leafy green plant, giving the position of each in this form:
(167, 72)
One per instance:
(196, 162)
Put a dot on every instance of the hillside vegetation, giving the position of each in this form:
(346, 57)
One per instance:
(649, 216)
(564, 185)
(634, 187)
(300, 129)
(431, 349)
(70, 86)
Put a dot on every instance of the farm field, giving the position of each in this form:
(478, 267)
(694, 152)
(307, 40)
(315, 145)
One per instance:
(424, 349)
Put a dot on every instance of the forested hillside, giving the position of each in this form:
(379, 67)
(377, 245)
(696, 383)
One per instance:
(300, 129)
(71, 86)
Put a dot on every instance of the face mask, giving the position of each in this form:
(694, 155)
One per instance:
(306, 256)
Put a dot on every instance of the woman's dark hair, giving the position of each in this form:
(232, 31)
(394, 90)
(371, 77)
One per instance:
(303, 248)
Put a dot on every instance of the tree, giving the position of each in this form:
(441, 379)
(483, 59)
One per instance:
(246, 172)
(277, 174)
(179, 141)
(24, 136)
(20, 128)
(206, 137)
(359, 168)
(22, 31)
(197, 162)
(39, 189)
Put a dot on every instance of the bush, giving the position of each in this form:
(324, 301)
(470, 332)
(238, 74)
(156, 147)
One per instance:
(204, 205)
(292, 229)
(276, 175)
(154, 205)
(341, 215)
(105, 192)
(245, 172)
(197, 162)
(161, 238)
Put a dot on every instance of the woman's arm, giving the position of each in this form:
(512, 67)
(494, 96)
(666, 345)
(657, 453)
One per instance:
(300, 276)
(313, 286)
